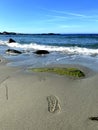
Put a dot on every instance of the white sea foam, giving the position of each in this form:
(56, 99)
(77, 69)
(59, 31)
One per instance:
(67, 50)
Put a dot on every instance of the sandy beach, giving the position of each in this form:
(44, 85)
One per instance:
(44, 101)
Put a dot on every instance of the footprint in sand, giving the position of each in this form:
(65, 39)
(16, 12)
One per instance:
(53, 104)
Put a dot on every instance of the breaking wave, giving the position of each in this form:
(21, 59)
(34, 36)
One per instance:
(68, 50)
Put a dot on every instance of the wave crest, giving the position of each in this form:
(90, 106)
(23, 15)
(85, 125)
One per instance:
(67, 50)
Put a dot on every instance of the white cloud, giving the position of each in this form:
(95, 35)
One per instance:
(69, 26)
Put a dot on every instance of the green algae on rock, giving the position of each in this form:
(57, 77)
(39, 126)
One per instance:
(73, 72)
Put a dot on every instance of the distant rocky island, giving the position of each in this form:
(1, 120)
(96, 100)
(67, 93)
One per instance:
(14, 33)
(8, 33)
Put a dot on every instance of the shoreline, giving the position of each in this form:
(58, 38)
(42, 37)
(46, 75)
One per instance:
(37, 101)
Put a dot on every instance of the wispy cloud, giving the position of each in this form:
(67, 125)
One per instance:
(63, 21)
(89, 15)
(66, 13)
(76, 14)
(69, 26)
(70, 13)
(57, 15)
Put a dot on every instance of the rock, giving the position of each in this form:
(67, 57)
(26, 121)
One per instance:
(12, 51)
(94, 118)
(11, 40)
(41, 52)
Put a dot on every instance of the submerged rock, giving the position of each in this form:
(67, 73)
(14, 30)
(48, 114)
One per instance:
(73, 72)
(41, 52)
(11, 40)
(12, 51)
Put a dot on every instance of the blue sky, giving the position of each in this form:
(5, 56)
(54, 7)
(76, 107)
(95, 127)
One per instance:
(45, 16)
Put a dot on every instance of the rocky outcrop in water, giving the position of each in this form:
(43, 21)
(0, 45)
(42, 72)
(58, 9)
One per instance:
(41, 52)
(13, 52)
(11, 40)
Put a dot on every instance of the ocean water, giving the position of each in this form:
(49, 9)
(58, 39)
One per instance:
(79, 49)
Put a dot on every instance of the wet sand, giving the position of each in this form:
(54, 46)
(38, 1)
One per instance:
(44, 101)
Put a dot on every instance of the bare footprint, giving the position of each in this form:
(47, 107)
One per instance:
(53, 104)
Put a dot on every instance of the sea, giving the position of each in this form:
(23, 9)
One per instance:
(63, 49)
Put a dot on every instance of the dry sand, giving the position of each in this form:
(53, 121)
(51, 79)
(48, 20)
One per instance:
(42, 101)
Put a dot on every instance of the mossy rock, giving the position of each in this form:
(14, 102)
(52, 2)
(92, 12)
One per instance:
(73, 72)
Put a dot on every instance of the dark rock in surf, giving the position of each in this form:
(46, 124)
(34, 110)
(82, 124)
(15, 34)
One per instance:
(11, 40)
(41, 52)
(94, 118)
(13, 52)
